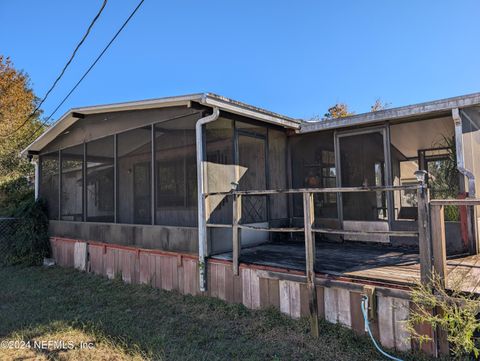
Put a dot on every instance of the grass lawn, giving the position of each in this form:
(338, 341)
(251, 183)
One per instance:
(132, 322)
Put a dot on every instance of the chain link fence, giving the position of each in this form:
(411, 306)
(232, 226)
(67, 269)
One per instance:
(8, 226)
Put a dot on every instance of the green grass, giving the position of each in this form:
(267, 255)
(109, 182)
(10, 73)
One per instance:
(139, 322)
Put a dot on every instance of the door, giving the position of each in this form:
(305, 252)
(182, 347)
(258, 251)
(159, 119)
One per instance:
(252, 156)
(362, 158)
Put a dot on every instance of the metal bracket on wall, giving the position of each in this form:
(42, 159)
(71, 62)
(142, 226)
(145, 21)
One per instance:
(369, 291)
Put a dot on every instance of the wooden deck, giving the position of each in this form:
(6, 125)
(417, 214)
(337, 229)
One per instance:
(362, 262)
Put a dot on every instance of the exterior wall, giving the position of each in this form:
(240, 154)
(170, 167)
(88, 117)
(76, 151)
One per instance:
(175, 228)
(255, 287)
(178, 239)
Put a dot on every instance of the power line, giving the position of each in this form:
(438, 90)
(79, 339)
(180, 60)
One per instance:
(86, 73)
(62, 72)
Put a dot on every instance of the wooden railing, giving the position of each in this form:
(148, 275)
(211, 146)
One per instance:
(309, 229)
(439, 250)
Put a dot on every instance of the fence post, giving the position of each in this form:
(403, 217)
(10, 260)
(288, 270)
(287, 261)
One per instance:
(309, 219)
(424, 241)
(236, 237)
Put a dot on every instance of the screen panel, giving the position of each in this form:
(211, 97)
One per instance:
(71, 202)
(100, 180)
(49, 182)
(134, 176)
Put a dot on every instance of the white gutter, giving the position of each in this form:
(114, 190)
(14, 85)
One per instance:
(459, 150)
(202, 222)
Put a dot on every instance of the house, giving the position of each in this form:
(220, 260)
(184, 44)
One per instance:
(173, 191)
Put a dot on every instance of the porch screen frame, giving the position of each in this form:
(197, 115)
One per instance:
(384, 130)
(237, 132)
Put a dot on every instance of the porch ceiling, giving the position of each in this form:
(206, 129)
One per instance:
(410, 137)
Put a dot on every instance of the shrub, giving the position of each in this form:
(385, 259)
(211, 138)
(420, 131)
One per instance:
(458, 317)
(27, 241)
(13, 192)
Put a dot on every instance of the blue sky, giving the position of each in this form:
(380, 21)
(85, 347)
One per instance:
(295, 58)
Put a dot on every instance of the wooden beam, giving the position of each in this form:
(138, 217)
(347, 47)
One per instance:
(78, 115)
(424, 241)
(318, 190)
(456, 202)
(309, 219)
(236, 237)
(438, 242)
(439, 267)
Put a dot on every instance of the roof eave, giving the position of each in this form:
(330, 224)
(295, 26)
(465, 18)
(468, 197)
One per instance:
(250, 111)
(406, 112)
(207, 99)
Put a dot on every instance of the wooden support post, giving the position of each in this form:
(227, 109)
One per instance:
(438, 242)
(309, 219)
(424, 241)
(236, 237)
(439, 267)
(472, 236)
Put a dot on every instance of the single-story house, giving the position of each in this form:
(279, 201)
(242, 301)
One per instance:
(153, 177)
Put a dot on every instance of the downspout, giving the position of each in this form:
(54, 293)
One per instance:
(459, 150)
(202, 228)
(37, 176)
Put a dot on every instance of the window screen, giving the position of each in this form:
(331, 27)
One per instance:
(176, 173)
(313, 166)
(49, 182)
(134, 176)
(100, 180)
(219, 140)
(71, 203)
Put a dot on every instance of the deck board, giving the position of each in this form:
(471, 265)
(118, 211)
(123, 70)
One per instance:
(361, 261)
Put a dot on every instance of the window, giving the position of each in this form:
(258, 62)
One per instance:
(134, 176)
(71, 202)
(49, 182)
(100, 180)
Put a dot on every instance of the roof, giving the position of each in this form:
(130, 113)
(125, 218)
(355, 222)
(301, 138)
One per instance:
(207, 99)
(427, 109)
(431, 108)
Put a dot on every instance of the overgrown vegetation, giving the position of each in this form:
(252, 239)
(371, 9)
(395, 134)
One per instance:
(444, 177)
(14, 193)
(132, 321)
(24, 239)
(458, 316)
(18, 122)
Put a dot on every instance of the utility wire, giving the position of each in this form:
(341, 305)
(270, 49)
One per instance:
(28, 138)
(62, 72)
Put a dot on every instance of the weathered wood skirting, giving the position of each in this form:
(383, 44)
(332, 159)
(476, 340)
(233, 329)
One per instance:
(254, 287)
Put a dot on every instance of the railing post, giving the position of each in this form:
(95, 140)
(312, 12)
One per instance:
(424, 241)
(236, 237)
(309, 218)
(439, 266)
(438, 242)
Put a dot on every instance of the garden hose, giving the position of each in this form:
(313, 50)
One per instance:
(367, 329)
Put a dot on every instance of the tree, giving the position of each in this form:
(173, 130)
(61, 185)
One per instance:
(339, 110)
(17, 102)
(379, 105)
